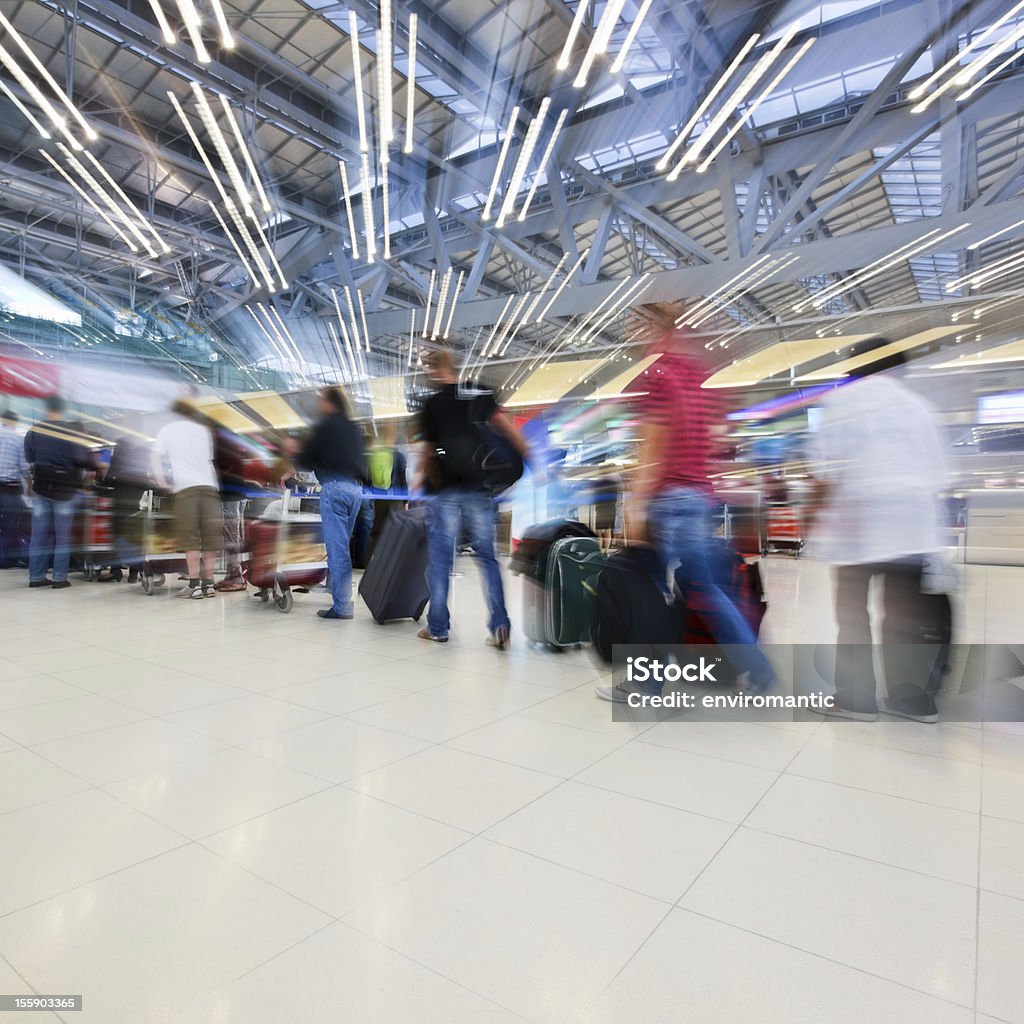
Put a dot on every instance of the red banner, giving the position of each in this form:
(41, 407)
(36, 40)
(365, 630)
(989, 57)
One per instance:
(28, 378)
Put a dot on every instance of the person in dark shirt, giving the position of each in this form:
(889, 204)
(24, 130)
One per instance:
(129, 479)
(58, 463)
(335, 452)
(449, 429)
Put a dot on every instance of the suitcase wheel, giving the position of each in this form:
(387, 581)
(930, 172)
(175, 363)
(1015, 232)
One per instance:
(284, 602)
(263, 595)
(147, 583)
(158, 579)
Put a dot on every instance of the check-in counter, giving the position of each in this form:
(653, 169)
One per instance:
(994, 532)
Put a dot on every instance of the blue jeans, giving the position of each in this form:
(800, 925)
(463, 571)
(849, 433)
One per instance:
(339, 506)
(680, 531)
(448, 511)
(51, 537)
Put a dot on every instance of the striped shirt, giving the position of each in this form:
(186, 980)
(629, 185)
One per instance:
(13, 466)
(676, 400)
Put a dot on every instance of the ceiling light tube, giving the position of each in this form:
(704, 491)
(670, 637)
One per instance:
(243, 233)
(30, 117)
(98, 190)
(352, 318)
(342, 360)
(286, 359)
(165, 26)
(194, 28)
(353, 354)
(362, 317)
(548, 150)
(247, 156)
(220, 144)
(387, 100)
(507, 326)
(412, 335)
(558, 291)
(270, 253)
(919, 90)
(512, 326)
(571, 334)
(684, 320)
(752, 109)
(38, 98)
(366, 198)
(74, 184)
(347, 194)
(632, 294)
(410, 84)
(544, 288)
(226, 38)
(530, 143)
(502, 155)
(630, 37)
(684, 132)
(235, 245)
(385, 210)
(430, 294)
(968, 93)
(357, 78)
(992, 273)
(131, 206)
(50, 81)
(574, 31)
(455, 299)
(497, 323)
(995, 234)
(441, 301)
(599, 41)
(288, 335)
(380, 73)
(981, 270)
(748, 286)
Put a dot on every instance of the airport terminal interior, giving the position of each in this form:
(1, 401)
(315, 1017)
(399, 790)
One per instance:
(382, 382)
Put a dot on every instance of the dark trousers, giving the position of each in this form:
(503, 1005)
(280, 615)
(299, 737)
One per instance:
(12, 515)
(909, 650)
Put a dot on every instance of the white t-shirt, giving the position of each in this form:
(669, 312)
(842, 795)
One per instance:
(188, 447)
(882, 455)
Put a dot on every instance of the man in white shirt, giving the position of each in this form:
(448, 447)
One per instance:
(879, 466)
(184, 447)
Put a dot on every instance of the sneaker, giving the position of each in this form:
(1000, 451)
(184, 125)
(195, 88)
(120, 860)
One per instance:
(60, 584)
(190, 592)
(499, 638)
(330, 613)
(619, 693)
(209, 590)
(888, 708)
(231, 585)
(40, 583)
(425, 634)
(839, 712)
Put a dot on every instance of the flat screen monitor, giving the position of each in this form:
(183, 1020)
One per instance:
(1005, 407)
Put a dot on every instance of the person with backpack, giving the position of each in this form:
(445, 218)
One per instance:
(461, 426)
(13, 473)
(59, 464)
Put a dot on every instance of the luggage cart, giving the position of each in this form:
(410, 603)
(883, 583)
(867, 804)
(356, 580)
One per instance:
(783, 530)
(95, 534)
(161, 552)
(286, 551)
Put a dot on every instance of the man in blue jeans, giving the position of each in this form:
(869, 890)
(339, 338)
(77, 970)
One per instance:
(677, 417)
(58, 463)
(449, 430)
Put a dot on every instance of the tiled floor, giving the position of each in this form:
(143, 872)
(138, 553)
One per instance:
(212, 813)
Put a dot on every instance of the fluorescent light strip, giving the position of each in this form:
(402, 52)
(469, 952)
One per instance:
(288, 335)
(226, 38)
(194, 26)
(243, 232)
(599, 41)
(630, 37)
(570, 335)
(532, 133)
(165, 26)
(74, 184)
(992, 273)
(90, 133)
(347, 194)
(28, 113)
(684, 320)
(749, 285)
(508, 326)
(237, 248)
(574, 31)
(220, 144)
(385, 210)
(412, 334)
(442, 299)
(410, 84)
(131, 206)
(455, 299)
(964, 278)
(968, 93)
(548, 150)
(354, 356)
(285, 359)
(352, 318)
(995, 234)
(270, 253)
(561, 287)
(362, 317)
(494, 329)
(544, 288)
(752, 109)
(357, 77)
(379, 73)
(430, 295)
(247, 156)
(386, 99)
(38, 98)
(366, 198)
(342, 361)
(731, 105)
(631, 295)
(684, 132)
(502, 155)
(101, 193)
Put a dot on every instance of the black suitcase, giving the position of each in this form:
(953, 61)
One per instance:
(394, 585)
